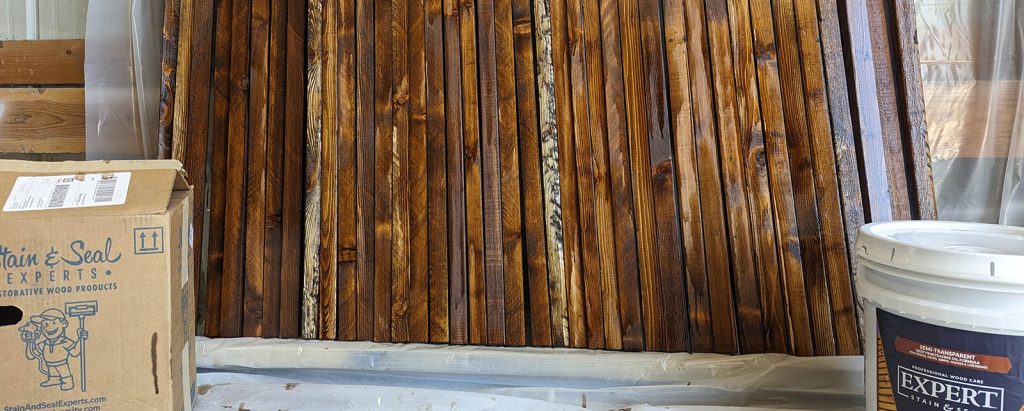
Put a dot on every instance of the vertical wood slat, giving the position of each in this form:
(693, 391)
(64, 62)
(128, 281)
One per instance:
(327, 252)
(383, 161)
(400, 273)
(276, 129)
(345, 259)
(437, 179)
(365, 173)
(292, 208)
(419, 285)
(457, 239)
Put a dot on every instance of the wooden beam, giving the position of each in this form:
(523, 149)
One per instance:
(36, 120)
(42, 62)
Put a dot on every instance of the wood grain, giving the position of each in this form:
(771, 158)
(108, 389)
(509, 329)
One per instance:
(326, 315)
(45, 62)
(346, 252)
(437, 179)
(292, 209)
(39, 120)
(400, 225)
(274, 214)
(256, 178)
(457, 239)
(382, 171)
(366, 171)
(419, 286)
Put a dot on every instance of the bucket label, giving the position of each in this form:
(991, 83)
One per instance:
(929, 367)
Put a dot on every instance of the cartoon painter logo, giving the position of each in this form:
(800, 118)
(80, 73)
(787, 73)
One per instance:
(47, 341)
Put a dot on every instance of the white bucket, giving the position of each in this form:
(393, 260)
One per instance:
(943, 315)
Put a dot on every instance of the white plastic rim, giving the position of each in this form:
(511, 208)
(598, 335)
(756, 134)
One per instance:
(962, 275)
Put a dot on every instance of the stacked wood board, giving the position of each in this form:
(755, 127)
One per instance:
(610, 174)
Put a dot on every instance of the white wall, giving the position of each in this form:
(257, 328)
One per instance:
(55, 19)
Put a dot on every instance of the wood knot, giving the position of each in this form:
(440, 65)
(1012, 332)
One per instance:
(401, 98)
(467, 4)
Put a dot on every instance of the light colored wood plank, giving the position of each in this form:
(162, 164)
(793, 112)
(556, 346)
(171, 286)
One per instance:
(42, 120)
(42, 62)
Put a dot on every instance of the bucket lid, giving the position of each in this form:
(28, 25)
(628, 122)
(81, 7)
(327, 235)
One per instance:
(971, 251)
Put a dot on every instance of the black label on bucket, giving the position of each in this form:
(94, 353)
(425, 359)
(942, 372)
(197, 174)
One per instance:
(928, 367)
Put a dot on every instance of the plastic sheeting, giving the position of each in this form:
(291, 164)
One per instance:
(122, 78)
(971, 67)
(258, 374)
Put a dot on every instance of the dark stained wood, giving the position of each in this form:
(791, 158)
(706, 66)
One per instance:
(400, 232)
(383, 126)
(827, 184)
(314, 127)
(274, 231)
(437, 181)
(763, 230)
(659, 137)
(534, 247)
(218, 167)
(345, 256)
(635, 92)
(42, 62)
(365, 174)
(471, 157)
(565, 108)
(419, 286)
(256, 178)
(326, 318)
(457, 239)
(808, 217)
(508, 147)
(720, 290)
(580, 144)
(234, 217)
(735, 169)
(294, 133)
(490, 164)
(605, 220)
(791, 282)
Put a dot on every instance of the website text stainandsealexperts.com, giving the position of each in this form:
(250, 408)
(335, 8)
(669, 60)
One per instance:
(80, 404)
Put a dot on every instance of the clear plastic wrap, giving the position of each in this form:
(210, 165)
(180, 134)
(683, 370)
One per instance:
(971, 67)
(122, 78)
(263, 374)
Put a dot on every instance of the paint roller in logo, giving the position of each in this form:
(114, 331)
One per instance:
(80, 310)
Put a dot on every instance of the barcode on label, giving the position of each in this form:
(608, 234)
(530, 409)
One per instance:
(60, 192)
(105, 190)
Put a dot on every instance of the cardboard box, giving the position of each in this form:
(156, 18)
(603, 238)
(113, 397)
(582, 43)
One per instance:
(95, 286)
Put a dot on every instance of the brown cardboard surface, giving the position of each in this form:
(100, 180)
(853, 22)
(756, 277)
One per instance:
(120, 273)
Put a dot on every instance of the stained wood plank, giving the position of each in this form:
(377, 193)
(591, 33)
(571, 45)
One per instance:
(582, 155)
(847, 167)
(491, 173)
(720, 290)
(437, 168)
(419, 286)
(400, 232)
(798, 135)
(471, 153)
(911, 100)
(534, 244)
(565, 108)
(234, 215)
(181, 80)
(38, 120)
(292, 209)
(382, 170)
(670, 260)
(790, 282)
(734, 179)
(314, 127)
(347, 171)
(626, 262)
(686, 177)
(218, 166)
(826, 183)
(508, 149)
(42, 62)
(750, 126)
(256, 179)
(592, 37)
(326, 316)
(457, 241)
(366, 171)
(273, 228)
(168, 64)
